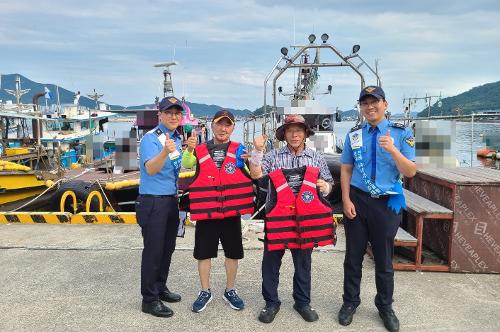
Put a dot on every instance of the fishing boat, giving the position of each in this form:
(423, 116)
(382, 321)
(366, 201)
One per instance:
(45, 142)
(306, 61)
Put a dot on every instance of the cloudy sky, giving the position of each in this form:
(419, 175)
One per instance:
(226, 48)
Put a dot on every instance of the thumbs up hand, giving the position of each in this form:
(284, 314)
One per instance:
(192, 141)
(387, 142)
(169, 144)
(259, 142)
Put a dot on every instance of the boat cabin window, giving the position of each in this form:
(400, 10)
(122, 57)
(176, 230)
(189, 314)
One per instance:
(67, 126)
(53, 125)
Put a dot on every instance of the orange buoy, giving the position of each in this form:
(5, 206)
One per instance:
(485, 153)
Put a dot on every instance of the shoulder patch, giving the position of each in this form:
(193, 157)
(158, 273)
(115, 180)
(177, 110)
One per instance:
(359, 126)
(397, 125)
(158, 132)
(410, 141)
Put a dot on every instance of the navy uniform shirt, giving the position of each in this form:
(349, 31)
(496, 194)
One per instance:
(165, 181)
(386, 173)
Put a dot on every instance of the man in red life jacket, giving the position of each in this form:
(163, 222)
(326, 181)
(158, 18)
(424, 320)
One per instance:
(292, 170)
(219, 195)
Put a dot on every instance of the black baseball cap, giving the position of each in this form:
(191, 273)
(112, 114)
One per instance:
(372, 90)
(170, 102)
(223, 114)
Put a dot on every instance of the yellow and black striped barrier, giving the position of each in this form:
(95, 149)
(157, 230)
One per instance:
(83, 218)
(68, 218)
(35, 217)
(337, 218)
(104, 218)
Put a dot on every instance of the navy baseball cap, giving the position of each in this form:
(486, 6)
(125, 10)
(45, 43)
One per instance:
(223, 114)
(372, 90)
(169, 102)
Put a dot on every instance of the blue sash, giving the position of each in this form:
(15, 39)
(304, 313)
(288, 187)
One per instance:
(396, 197)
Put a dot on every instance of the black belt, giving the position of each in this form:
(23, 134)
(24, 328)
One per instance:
(158, 196)
(359, 191)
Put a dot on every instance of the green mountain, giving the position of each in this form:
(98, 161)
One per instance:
(67, 96)
(260, 110)
(481, 98)
(199, 110)
(349, 114)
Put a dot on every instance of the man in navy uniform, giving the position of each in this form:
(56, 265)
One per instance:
(375, 155)
(156, 207)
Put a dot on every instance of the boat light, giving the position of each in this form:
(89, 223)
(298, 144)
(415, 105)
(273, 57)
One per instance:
(324, 37)
(355, 49)
(312, 38)
(284, 51)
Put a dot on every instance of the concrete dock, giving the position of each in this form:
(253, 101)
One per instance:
(87, 277)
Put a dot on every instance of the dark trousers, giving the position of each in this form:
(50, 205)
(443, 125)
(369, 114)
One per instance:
(159, 219)
(271, 264)
(376, 223)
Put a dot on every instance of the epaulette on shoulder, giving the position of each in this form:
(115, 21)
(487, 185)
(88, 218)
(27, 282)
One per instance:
(154, 131)
(356, 128)
(397, 125)
(158, 132)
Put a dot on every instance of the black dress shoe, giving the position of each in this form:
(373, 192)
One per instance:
(345, 314)
(268, 313)
(157, 308)
(308, 313)
(391, 322)
(168, 296)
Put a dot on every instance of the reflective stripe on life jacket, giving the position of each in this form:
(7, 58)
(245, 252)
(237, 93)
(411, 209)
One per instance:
(298, 222)
(218, 194)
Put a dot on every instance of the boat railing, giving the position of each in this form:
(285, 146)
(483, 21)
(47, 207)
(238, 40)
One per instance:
(260, 125)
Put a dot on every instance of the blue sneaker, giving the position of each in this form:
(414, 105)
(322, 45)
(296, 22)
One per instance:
(202, 301)
(233, 299)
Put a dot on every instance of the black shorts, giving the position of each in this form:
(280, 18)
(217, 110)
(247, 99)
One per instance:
(208, 233)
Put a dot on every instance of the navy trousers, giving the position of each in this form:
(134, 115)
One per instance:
(271, 264)
(376, 223)
(159, 219)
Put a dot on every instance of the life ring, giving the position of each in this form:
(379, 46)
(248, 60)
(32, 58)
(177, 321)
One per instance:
(326, 123)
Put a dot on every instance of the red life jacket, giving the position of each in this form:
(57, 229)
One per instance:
(218, 194)
(298, 222)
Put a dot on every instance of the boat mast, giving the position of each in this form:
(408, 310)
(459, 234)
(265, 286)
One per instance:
(168, 88)
(90, 141)
(18, 92)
